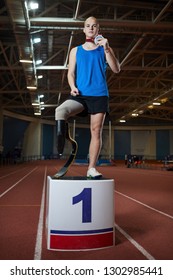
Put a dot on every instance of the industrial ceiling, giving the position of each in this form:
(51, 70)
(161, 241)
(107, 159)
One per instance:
(140, 33)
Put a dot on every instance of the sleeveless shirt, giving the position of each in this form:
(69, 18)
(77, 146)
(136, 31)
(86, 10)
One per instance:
(91, 72)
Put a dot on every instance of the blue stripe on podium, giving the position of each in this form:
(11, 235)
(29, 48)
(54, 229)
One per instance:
(96, 231)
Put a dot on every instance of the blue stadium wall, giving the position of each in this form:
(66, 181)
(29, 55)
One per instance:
(125, 141)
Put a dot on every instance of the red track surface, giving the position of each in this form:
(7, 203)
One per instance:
(143, 213)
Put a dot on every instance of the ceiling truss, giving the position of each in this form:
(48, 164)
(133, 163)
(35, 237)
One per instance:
(140, 33)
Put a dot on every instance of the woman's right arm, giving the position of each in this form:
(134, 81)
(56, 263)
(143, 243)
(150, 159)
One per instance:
(71, 72)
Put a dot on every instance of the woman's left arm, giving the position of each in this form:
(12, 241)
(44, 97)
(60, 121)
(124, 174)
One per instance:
(112, 60)
(110, 56)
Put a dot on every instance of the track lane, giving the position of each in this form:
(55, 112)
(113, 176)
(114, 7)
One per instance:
(133, 218)
(19, 214)
(153, 188)
(152, 230)
(7, 184)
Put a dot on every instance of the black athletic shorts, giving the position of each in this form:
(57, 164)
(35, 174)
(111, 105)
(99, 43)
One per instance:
(92, 104)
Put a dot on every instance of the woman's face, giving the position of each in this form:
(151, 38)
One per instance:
(91, 28)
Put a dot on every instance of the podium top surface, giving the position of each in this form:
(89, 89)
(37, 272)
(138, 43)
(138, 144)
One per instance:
(80, 178)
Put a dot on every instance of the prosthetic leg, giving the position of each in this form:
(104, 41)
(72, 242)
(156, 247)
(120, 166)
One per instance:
(63, 134)
(61, 128)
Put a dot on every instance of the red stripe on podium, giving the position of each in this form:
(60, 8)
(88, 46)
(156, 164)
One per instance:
(81, 242)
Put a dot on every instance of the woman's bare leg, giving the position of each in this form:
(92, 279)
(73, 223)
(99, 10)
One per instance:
(96, 127)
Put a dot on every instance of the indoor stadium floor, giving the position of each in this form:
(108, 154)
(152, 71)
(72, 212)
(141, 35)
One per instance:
(143, 213)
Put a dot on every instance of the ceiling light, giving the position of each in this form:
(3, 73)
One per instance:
(41, 95)
(134, 114)
(150, 107)
(33, 5)
(40, 76)
(156, 103)
(26, 60)
(39, 61)
(36, 40)
(31, 87)
(37, 111)
(122, 121)
(163, 100)
(35, 102)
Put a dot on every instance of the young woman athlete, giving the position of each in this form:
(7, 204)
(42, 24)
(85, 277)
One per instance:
(89, 91)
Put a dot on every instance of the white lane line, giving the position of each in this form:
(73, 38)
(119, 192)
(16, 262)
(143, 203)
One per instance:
(9, 189)
(145, 205)
(38, 244)
(137, 245)
(16, 171)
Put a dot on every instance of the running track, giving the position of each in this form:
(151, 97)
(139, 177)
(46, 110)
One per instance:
(143, 213)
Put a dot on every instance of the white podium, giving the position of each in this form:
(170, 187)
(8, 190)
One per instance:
(80, 213)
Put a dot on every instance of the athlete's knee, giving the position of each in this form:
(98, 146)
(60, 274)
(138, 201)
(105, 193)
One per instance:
(60, 113)
(96, 132)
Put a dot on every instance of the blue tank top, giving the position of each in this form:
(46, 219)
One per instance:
(91, 72)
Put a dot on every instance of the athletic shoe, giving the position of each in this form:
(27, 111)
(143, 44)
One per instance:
(92, 173)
